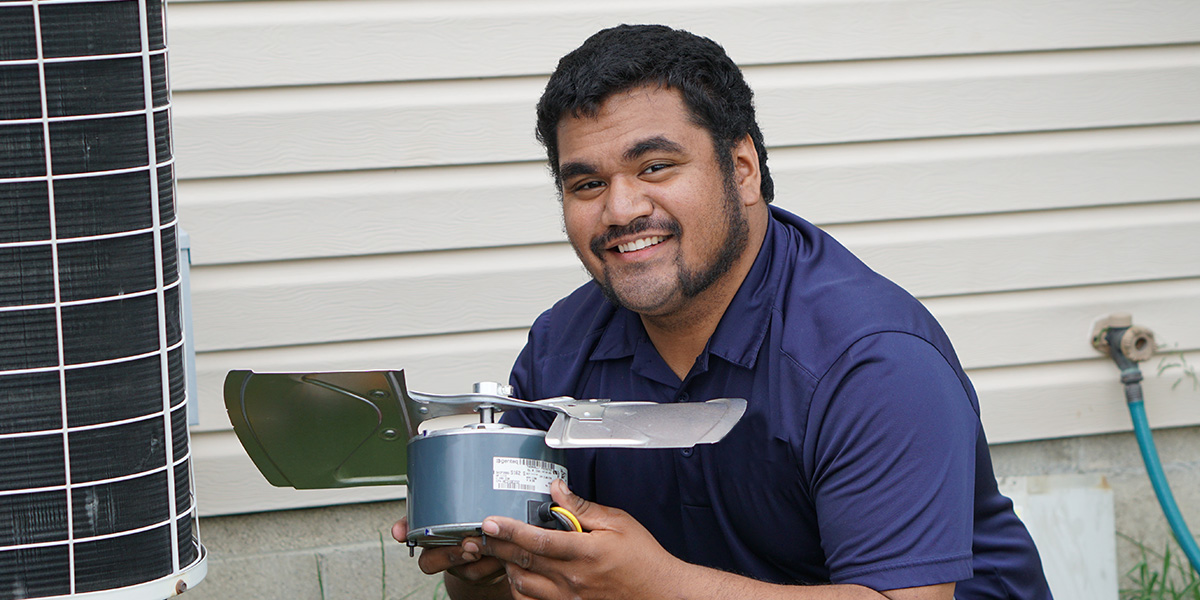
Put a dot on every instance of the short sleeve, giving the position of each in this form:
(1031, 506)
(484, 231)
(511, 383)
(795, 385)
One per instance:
(890, 447)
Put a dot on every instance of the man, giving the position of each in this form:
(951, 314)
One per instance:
(860, 463)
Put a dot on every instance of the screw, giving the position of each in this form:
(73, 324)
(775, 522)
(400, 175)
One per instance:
(423, 410)
(388, 434)
(379, 394)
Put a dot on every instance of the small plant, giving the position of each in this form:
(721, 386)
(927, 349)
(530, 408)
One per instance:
(439, 591)
(1160, 576)
(1175, 359)
(320, 580)
(382, 568)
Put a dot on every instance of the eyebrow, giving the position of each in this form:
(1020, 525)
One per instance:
(574, 169)
(652, 144)
(656, 143)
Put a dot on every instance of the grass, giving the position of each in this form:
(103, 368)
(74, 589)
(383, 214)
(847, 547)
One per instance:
(439, 590)
(320, 580)
(1175, 359)
(1160, 576)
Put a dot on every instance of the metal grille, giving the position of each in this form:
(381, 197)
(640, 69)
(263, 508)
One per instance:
(95, 486)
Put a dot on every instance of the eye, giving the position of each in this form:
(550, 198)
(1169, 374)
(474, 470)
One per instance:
(657, 171)
(587, 186)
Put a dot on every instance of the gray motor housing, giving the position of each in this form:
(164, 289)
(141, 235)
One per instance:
(458, 477)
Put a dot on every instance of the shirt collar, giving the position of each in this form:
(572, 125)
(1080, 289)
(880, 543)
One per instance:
(743, 327)
(738, 336)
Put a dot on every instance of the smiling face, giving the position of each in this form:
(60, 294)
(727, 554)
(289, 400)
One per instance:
(651, 212)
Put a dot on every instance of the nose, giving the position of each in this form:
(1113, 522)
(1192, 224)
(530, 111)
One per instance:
(625, 202)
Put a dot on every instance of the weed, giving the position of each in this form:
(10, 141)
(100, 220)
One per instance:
(1160, 576)
(439, 591)
(320, 581)
(1175, 359)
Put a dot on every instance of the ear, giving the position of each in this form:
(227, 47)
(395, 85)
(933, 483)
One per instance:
(746, 172)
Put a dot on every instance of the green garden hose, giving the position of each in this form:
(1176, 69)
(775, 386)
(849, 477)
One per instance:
(1119, 341)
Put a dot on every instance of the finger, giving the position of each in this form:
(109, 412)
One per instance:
(483, 571)
(473, 547)
(591, 515)
(400, 530)
(528, 585)
(525, 541)
(532, 539)
(506, 552)
(436, 560)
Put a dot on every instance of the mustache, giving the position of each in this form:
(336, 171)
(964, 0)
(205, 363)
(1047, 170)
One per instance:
(602, 242)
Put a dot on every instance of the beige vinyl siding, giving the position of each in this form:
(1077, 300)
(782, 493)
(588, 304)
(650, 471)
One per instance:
(388, 125)
(273, 43)
(363, 190)
(482, 206)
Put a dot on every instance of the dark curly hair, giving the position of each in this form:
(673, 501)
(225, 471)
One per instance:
(630, 56)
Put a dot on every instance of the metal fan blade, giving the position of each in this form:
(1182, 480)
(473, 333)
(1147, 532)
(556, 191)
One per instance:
(321, 430)
(647, 425)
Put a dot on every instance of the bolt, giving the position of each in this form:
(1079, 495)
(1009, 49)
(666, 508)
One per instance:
(487, 413)
(423, 410)
(180, 586)
(389, 434)
(379, 394)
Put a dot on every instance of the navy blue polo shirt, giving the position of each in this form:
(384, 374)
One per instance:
(860, 459)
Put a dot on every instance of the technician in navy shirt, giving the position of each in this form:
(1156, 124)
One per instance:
(861, 461)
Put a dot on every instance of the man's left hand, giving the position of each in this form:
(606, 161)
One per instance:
(616, 559)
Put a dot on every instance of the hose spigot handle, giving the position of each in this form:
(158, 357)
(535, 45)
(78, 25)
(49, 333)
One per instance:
(1117, 336)
(1127, 344)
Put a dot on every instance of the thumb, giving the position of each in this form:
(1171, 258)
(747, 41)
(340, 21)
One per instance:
(591, 516)
(400, 530)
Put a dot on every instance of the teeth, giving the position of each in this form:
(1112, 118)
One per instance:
(639, 244)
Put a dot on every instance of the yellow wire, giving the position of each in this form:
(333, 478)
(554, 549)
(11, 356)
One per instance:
(570, 517)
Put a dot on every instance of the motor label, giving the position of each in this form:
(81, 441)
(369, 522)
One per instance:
(525, 474)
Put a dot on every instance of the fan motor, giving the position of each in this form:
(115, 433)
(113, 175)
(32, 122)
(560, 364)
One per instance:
(457, 477)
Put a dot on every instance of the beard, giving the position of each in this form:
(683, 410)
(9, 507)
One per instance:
(691, 282)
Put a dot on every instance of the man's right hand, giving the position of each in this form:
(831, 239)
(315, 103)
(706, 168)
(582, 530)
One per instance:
(469, 575)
